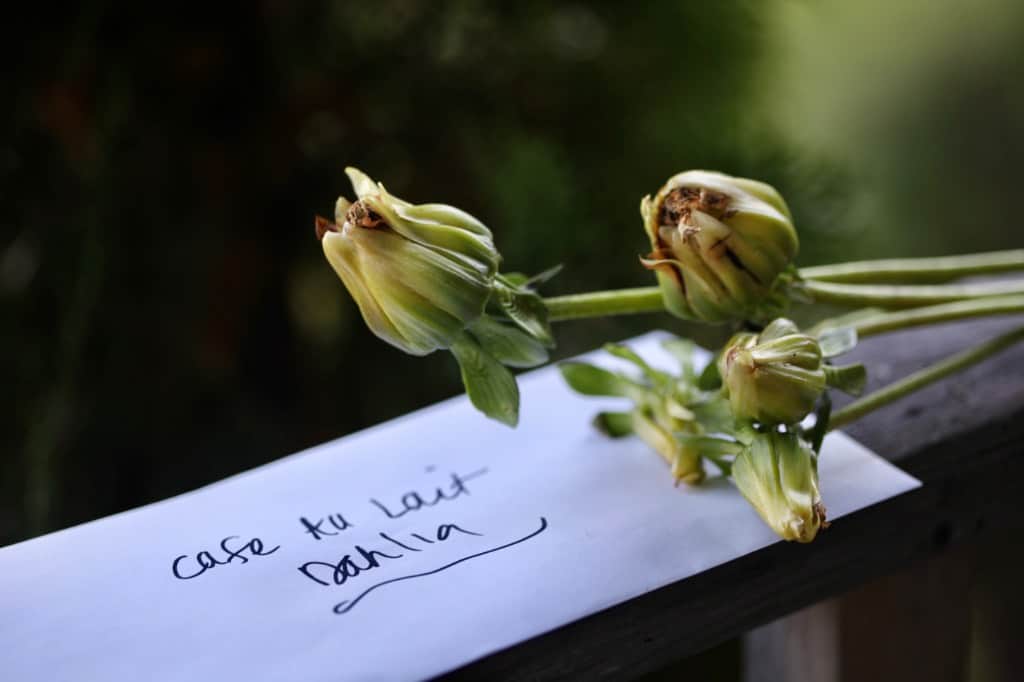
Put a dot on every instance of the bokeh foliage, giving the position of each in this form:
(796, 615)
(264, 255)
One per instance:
(169, 318)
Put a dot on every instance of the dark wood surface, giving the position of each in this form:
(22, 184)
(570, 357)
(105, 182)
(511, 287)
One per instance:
(962, 437)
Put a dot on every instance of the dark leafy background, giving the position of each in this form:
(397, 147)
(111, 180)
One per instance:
(168, 318)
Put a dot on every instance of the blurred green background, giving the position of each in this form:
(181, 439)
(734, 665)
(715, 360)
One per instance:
(168, 316)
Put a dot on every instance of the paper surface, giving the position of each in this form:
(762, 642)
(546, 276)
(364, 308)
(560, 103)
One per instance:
(399, 552)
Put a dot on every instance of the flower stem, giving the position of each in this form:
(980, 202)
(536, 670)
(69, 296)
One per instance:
(918, 270)
(602, 303)
(945, 312)
(922, 378)
(906, 295)
(649, 299)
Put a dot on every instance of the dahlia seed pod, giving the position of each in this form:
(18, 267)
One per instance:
(419, 274)
(774, 377)
(718, 245)
(425, 277)
(778, 474)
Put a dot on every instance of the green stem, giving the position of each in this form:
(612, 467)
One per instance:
(945, 312)
(922, 378)
(604, 303)
(992, 298)
(918, 270)
(649, 299)
(906, 295)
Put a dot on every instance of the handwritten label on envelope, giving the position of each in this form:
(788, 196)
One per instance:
(399, 552)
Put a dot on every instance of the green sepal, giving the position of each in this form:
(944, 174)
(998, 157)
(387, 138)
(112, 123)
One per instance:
(837, 341)
(724, 465)
(441, 214)
(845, 320)
(515, 279)
(509, 344)
(362, 183)
(847, 378)
(777, 329)
(614, 424)
(785, 290)
(419, 224)
(526, 308)
(521, 279)
(712, 446)
(543, 276)
(816, 434)
(490, 385)
(744, 431)
(789, 285)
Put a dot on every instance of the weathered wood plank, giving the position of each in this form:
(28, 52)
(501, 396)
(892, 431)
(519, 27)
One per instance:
(913, 625)
(963, 438)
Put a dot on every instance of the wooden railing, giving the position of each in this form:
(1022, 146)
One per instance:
(962, 437)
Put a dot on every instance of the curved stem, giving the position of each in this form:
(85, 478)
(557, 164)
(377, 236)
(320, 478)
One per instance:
(906, 295)
(945, 312)
(649, 299)
(602, 303)
(922, 378)
(918, 270)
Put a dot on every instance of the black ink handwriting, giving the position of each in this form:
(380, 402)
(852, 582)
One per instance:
(362, 560)
(343, 607)
(413, 501)
(318, 532)
(207, 560)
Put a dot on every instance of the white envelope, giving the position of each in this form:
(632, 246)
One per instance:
(399, 552)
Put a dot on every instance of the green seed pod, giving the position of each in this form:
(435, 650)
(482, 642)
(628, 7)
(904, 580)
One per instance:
(778, 474)
(419, 274)
(774, 377)
(718, 244)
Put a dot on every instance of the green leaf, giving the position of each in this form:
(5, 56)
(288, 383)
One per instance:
(491, 387)
(509, 344)
(614, 424)
(591, 380)
(847, 378)
(656, 377)
(835, 342)
(715, 415)
(683, 350)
